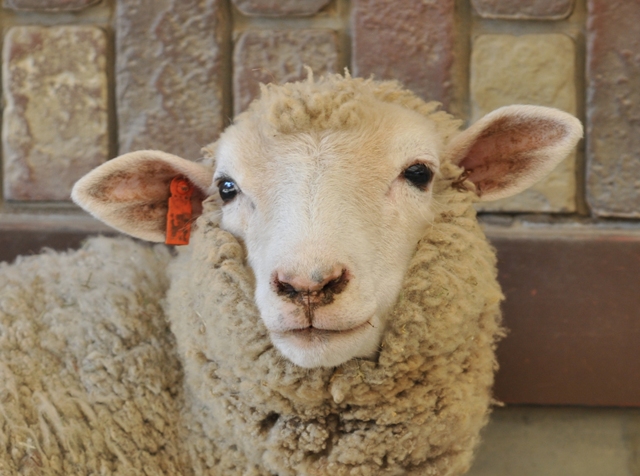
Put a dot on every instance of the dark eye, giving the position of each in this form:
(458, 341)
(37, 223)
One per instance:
(419, 175)
(228, 190)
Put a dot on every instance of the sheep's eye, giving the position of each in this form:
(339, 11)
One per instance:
(419, 175)
(228, 190)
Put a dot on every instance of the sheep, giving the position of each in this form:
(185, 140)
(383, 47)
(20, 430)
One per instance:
(335, 312)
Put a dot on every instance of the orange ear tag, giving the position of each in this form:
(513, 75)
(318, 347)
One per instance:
(180, 213)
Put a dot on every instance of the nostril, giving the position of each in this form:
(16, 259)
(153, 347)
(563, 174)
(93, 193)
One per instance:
(337, 285)
(285, 289)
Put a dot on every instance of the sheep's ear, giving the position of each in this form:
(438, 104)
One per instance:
(131, 192)
(513, 147)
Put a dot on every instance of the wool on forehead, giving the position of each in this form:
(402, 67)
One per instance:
(332, 102)
(337, 102)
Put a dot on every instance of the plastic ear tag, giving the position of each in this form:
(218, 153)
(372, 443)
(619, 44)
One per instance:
(179, 214)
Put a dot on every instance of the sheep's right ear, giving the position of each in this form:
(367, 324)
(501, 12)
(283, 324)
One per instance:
(131, 192)
(513, 147)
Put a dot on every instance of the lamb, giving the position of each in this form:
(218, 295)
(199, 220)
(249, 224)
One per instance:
(336, 311)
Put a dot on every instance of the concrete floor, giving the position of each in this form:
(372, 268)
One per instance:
(543, 441)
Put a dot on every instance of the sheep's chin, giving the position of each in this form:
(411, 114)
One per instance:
(317, 348)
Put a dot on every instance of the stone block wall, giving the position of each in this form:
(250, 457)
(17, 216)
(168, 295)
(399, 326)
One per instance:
(86, 80)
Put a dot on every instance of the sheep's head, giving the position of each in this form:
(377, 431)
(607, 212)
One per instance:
(330, 187)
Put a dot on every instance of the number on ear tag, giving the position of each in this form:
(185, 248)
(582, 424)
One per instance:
(179, 214)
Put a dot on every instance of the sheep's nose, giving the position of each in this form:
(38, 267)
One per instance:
(315, 287)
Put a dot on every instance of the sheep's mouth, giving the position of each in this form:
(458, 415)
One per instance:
(312, 331)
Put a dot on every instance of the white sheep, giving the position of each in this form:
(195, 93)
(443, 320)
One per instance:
(335, 313)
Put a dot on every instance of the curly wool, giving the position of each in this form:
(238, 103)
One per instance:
(96, 382)
(332, 102)
(337, 102)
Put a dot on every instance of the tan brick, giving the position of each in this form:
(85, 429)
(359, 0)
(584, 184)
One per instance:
(280, 7)
(613, 108)
(408, 40)
(170, 74)
(55, 123)
(279, 56)
(49, 5)
(528, 69)
(519, 10)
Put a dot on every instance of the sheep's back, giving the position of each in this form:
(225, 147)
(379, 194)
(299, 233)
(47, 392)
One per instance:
(90, 381)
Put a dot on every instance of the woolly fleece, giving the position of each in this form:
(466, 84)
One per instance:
(91, 382)
(96, 383)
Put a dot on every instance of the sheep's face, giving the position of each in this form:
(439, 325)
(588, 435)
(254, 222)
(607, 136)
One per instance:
(330, 220)
(330, 188)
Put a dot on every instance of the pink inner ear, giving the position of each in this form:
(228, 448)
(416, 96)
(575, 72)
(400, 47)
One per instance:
(136, 188)
(506, 150)
(146, 183)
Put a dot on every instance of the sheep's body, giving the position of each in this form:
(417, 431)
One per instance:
(92, 381)
(98, 378)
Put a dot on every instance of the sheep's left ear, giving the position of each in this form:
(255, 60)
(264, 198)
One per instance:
(513, 147)
(131, 192)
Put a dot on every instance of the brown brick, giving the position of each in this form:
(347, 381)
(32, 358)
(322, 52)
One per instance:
(280, 7)
(528, 69)
(519, 10)
(613, 108)
(266, 56)
(55, 122)
(49, 5)
(408, 40)
(170, 72)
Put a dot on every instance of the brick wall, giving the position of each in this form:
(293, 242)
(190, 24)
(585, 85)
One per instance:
(86, 80)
